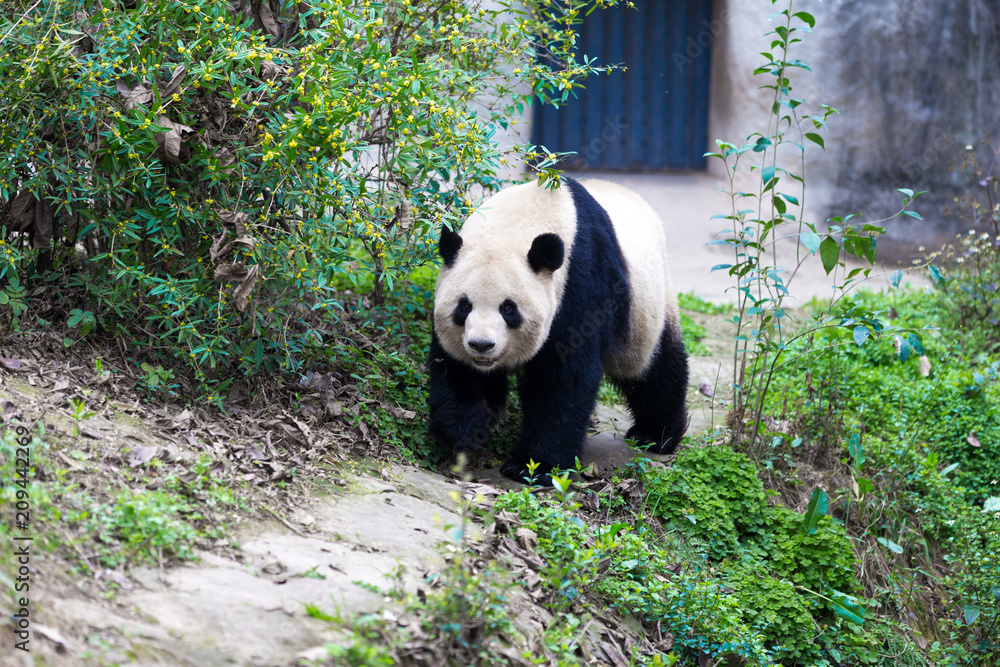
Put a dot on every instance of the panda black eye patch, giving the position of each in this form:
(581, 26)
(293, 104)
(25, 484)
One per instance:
(511, 315)
(461, 312)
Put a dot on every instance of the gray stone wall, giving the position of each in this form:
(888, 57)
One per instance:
(920, 80)
(916, 82)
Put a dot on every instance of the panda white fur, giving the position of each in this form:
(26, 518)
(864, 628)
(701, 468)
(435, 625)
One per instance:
(562, 285)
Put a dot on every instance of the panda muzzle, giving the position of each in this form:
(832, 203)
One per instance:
(484, 348)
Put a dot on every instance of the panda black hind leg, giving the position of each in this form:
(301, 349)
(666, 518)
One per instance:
(657, 399)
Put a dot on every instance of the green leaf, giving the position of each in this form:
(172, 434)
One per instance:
(856, 450)
(861, 334)
(913, 214)
(829, 252)
(761, 145)
(949, 469)
(815, 511)
(806, 18)
(936, 276)
(810, 240)
(916, 344)
(895, 278)
(816, 139)
(4, 299)
(971, 614)
(890, 545)
(902, 348)
(991, 504)
(848, 610)
(906, 191)
(767, 173)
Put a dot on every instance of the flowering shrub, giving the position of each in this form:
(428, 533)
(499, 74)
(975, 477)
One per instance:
(971, 275)
(202, 175)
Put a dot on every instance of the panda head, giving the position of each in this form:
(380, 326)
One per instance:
(495, 301)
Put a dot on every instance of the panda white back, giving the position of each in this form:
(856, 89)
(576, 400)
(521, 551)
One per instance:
(643, 244)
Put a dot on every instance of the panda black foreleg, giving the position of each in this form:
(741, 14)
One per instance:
(465, 404)
(657, 399)
(557, 398)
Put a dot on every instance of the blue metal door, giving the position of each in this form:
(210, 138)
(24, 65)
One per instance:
(654, 116)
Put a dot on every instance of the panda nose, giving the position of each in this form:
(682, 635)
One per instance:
(482, 345)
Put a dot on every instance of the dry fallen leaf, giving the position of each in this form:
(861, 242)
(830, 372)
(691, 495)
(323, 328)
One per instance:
(242, 240)
(527, 539)
(267, 19)
(972, 439)
(140, 94)
(400, 413)
(925, 370)
(169, 142)
(236, 272)
(22, 209)
(175, 82)
(241, 295)
(141, 455)
(271, 70)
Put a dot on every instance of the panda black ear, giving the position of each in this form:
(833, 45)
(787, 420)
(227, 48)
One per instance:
(546, 254)
(449, 245)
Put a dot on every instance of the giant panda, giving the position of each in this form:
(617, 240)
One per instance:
(560, 285)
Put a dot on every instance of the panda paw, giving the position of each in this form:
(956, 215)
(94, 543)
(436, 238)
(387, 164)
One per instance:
(652, 445)
(640, 438)
(518, 471)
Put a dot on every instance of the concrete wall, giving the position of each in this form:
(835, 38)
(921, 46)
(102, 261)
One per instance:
(915, 81)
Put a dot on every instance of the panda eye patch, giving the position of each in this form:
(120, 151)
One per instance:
(461, 312)
(511, 315)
